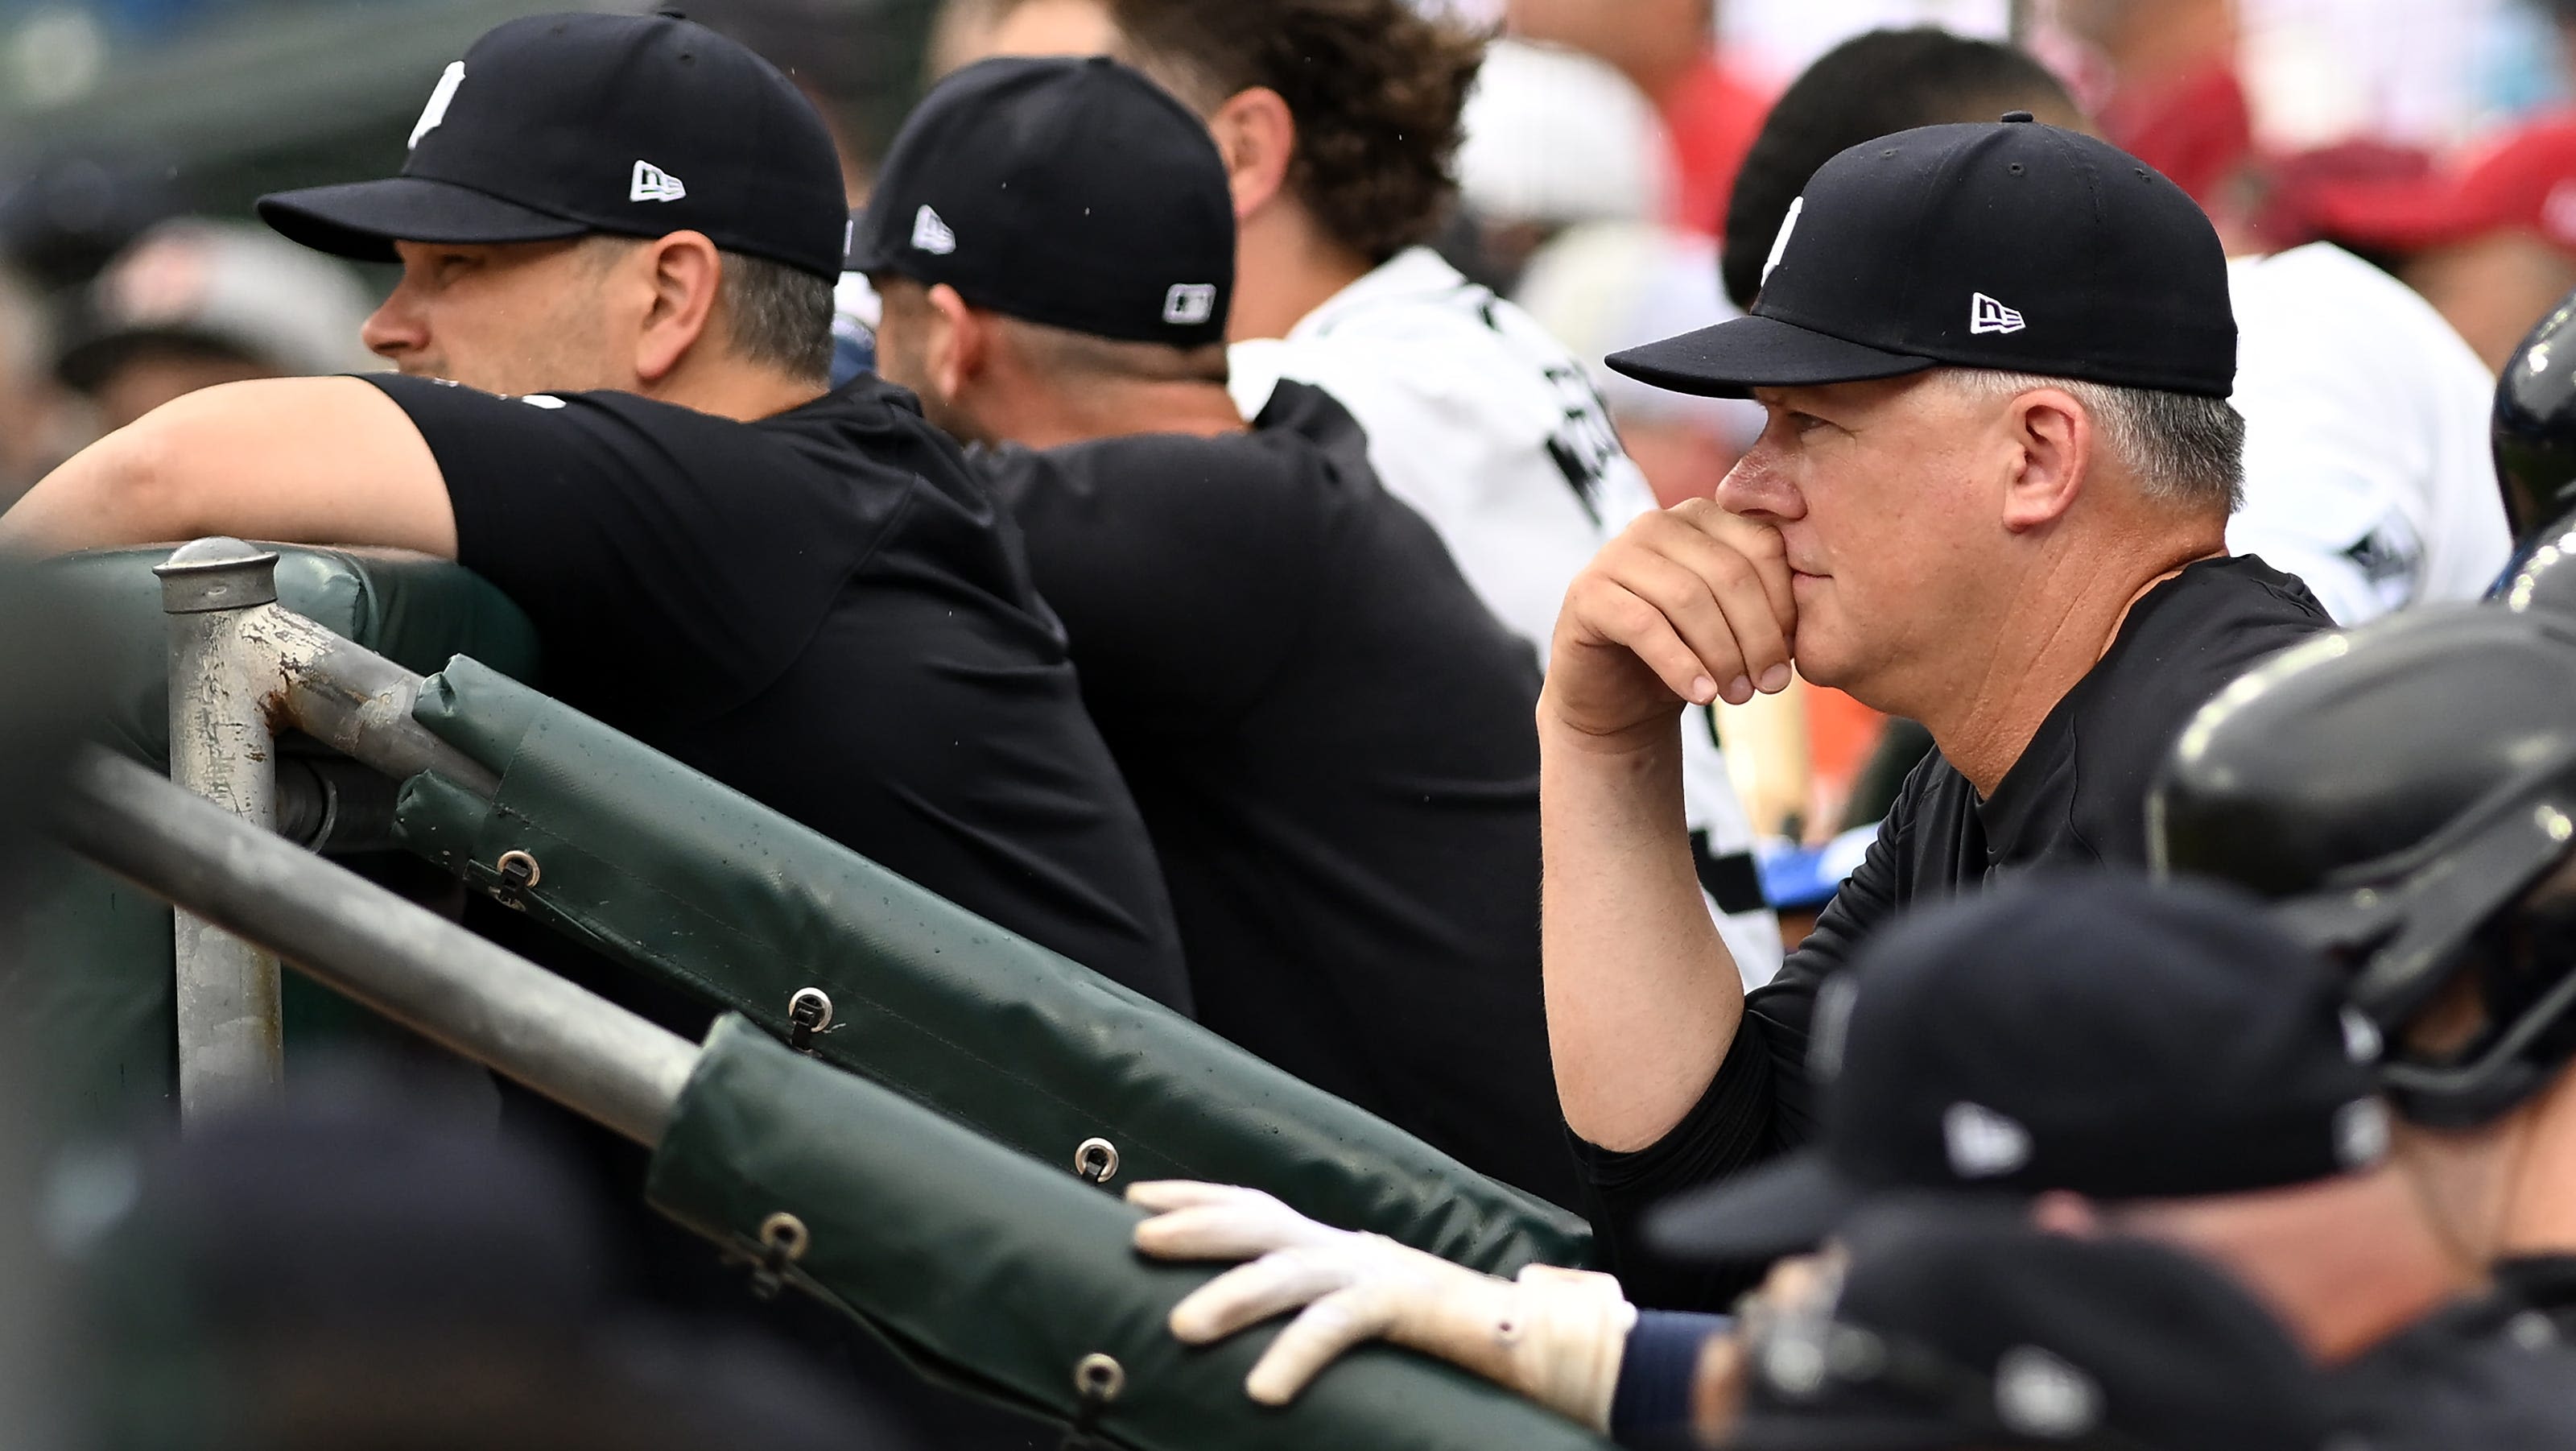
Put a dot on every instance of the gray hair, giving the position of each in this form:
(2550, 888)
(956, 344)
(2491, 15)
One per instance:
(781, 315)
(2183, 448)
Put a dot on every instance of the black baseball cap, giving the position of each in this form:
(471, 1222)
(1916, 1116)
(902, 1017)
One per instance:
(563, 125)
(2097, 1033)
(1073, 193)
(1954, 1331)
(2008, 245)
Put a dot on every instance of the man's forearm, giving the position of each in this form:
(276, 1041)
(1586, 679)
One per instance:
(96, 498)
(1643, 1000)
(307, 460)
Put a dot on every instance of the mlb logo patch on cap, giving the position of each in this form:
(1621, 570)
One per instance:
(1189, 303)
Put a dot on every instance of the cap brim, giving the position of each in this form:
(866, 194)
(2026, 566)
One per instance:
(1781, 1208)
(1741, 354)
(362, 220)
(2404, 215)
(87, 363)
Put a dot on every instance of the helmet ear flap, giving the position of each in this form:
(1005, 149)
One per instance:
(2523, 965)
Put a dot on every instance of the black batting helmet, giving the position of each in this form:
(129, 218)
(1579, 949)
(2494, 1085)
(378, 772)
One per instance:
(2533, 429)
(2405, 794)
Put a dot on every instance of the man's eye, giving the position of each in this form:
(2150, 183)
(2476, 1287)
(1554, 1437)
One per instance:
(1802, 422)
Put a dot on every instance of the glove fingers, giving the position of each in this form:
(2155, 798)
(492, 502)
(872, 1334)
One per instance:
(1250, 1294)
(1161, 1194)
(1228, 1231)
(1317, 1337)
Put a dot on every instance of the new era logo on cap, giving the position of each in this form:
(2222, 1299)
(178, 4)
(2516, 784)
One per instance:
(653, 184)
(930, 234)
(1983, 1144)
(1189, 303)
(2039, 1395)
(1985, 315)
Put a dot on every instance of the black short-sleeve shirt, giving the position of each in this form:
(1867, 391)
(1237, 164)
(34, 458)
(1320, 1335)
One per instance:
(825, 611)
(1330, 737)
(2076, 797)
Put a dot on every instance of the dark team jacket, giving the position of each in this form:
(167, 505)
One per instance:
(825, 611)
(2496, 1372)
(2076, 797)
(1329, 735)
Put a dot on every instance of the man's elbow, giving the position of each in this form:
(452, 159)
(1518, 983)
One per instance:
(127, 488)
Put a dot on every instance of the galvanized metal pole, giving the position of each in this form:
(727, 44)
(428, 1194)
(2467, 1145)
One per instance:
(403, 960)
(230, 1043)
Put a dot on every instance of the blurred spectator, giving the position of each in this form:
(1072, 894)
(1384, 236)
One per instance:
(62, 221)
(2166, 87)
(1780, 38)
(2490, 241)
(1611, 285)
(2367, 467)
(194, 303)
(1555, 137)
(1668, 49)
(38, 427)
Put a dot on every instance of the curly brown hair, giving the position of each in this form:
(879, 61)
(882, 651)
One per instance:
(1375, 86)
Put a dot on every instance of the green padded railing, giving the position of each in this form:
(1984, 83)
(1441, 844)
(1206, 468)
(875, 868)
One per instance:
(91, 988)
(1006, 1277)
(660, 868)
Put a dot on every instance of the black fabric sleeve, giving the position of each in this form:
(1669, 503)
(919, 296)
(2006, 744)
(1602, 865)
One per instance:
(1759, 1104)
(1779, 1015)
(1728, 1130)
(1650, 1410)
(690, 557)
(1184, 569)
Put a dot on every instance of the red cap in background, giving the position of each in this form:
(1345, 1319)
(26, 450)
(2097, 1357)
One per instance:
(2525, 179)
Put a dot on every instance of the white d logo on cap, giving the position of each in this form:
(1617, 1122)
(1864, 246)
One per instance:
(436, 110)
(1780, 243)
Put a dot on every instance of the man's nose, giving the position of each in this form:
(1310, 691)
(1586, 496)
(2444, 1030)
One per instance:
(395, 327)
(1758, 487)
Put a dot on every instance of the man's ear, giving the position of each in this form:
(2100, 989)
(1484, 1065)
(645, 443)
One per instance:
(1256, 134)
(684, 272)
(961, 344)
(2052, 438)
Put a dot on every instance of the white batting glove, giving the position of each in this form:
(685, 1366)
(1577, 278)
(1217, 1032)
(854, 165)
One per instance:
(1554, 1335)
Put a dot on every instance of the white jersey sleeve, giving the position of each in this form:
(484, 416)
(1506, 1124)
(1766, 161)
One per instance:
(2367, 469)
(1490, 429)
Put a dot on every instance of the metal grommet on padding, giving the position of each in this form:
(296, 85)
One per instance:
(809, 1014)
(1099, 1378)
(519, 871)
(783, 1238)
(1096, 1160)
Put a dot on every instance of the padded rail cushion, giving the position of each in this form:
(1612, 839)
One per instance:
(1002, 1275)
(656, 866)
(92, 982)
